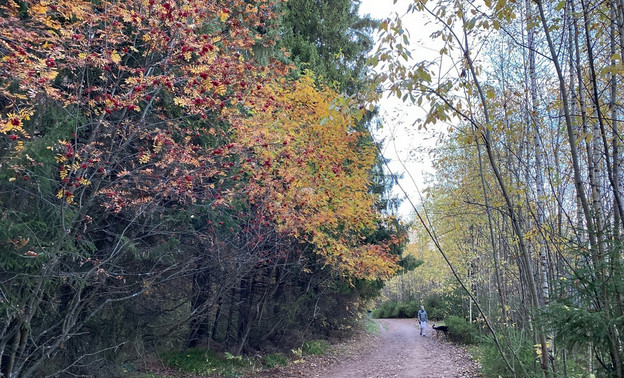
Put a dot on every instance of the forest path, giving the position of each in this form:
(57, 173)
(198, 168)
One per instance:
(398, 351)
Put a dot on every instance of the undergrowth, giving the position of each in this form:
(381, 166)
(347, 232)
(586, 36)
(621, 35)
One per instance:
(205, 362)
(202, 361)
(370, 327)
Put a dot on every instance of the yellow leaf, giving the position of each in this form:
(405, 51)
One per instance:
(49, 75)
(115, 57)
(181, 101)
(38, 9)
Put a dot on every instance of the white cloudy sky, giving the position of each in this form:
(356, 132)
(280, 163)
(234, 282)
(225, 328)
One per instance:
(406, 146)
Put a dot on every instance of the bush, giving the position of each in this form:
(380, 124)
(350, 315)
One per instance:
(460, 331)
(316, 347)
(492, 365)
(411, 309)
(275, 359)
(206, 362)
(436, 306)
(395, 309)
(385, 310)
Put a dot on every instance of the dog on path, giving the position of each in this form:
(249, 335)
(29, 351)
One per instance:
(440, 328)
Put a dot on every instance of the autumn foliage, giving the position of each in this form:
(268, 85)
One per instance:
(147, 84)
(153, 150)
(311, 172)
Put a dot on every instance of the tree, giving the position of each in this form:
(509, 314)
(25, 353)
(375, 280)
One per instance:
(161, 180)
(134, 92)
(330, 39)
(550, 195)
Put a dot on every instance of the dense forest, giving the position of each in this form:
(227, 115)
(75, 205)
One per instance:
(179, 173)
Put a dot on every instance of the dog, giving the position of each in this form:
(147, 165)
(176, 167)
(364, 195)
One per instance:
(441, 328)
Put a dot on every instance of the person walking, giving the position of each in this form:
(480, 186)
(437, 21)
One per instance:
(423, 319)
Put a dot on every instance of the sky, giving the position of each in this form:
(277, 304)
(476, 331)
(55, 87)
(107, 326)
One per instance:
(405, 145)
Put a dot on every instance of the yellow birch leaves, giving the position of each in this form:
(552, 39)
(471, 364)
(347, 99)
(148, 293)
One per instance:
(311, 169)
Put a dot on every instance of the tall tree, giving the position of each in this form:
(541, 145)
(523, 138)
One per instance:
(330, 38)
(148, 160)
(547, 117)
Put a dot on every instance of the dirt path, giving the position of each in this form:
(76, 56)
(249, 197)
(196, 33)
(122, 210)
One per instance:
(398, 351)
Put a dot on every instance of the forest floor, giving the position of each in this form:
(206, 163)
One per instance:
(397, 351)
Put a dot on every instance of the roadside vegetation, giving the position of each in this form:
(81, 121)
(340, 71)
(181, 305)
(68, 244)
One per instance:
(198, 180)
(189, 180)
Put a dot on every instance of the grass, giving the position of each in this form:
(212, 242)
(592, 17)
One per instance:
(370, 326)
(205, 362)
(275, 359)
(316, 347)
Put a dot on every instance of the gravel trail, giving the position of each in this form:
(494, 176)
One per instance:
(398, 351)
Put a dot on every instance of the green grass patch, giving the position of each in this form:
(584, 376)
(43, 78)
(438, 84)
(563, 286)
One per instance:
(370, 326)
(204, 362)
(316, 347)
(275, 359)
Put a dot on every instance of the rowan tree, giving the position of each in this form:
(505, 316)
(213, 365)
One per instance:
(113, 123)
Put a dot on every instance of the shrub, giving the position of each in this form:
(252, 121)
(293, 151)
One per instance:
(275, 359)
(399, 311)
(385, 310)
(316, 347)
(437, 307)
(492, 365)
(411, 309)
(460, 331)
(395, 309)
(206, 362)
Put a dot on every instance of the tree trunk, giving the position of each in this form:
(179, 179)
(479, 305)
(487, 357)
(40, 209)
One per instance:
(524, 252)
